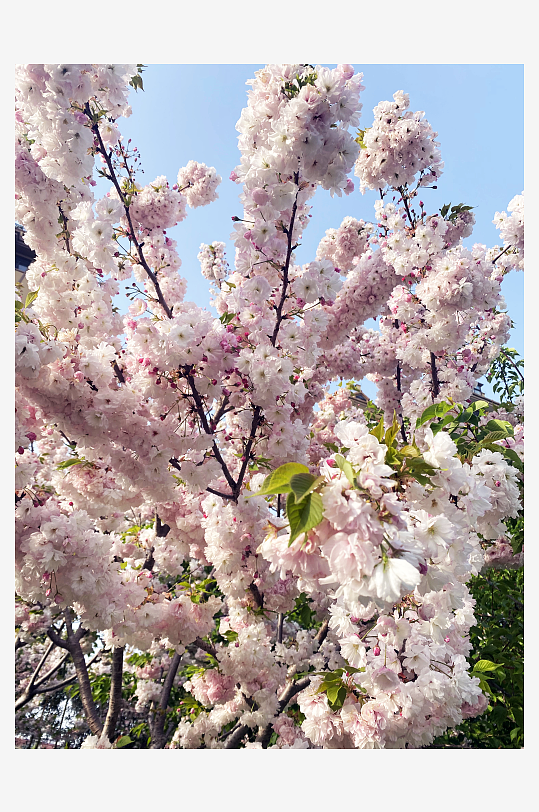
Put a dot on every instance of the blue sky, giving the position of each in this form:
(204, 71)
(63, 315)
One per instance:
(190, 112)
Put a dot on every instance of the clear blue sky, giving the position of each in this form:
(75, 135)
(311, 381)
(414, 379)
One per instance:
(190, 112)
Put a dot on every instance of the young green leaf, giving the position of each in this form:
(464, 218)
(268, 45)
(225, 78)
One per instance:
(485, 665)
(303, 516)
(303, 484)
(392, 431)
(436, 410)
(378, 431)
(279, 480)
(32, 296)
(501, 425)
(69, 463)
(346, 468)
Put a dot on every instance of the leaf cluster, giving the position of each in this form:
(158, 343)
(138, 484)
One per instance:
(506, 376)
(463, 426)
(498, 639)
(455, 211)
(336, 685)
(292, 88)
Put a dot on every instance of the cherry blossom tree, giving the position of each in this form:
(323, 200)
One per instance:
(216, 546)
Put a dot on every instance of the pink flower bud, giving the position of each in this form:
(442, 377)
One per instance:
(376, 651)
(331, 463)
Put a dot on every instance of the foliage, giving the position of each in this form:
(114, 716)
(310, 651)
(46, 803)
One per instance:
(498, 637)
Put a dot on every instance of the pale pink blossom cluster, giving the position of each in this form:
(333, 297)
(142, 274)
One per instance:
(511, 228)
(157, 206)
(198, 184)
(213, 261)
(398, 146)
(345, 245)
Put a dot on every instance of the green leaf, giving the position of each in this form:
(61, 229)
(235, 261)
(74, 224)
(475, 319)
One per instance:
(436, 410)
(448, 422)
(336, 698)
(32, 296)
(410, 451)
(468, 413)
(69, 463)
(123, 741)
(445, 209)
(304, 516)
(512, 455)
(493, 437)
(303, 484)
(378, 431)
(333, 692)
(392, 431)
(226, 318)
(279, 480)
(500, 425)
(346, 468)
(485, 665)
(423, 480)
(419, 465)
(331, 447)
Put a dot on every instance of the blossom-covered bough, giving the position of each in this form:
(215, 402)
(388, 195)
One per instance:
(245, 556)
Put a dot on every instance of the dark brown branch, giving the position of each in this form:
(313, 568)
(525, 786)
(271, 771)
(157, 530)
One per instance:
(405, 201)
(58, 685)
(158, 737)
(205, 646)
(221, 411)
(40, 665)
(142, 261)
(257, 415)
(72, 644)
(434, 375)
(280, 621)
(205, 425)
(322, 632)
(289, 692)
(115, 698)
(235, 739)
(399, 389)
(257, 597)
(118, 372)
(286, 267)
(175, 464)
(501, 255)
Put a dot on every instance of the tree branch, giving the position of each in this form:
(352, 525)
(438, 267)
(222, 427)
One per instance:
(289, 692)
(434, 375)
(115, 698)
(142, 261)
(158, 737)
